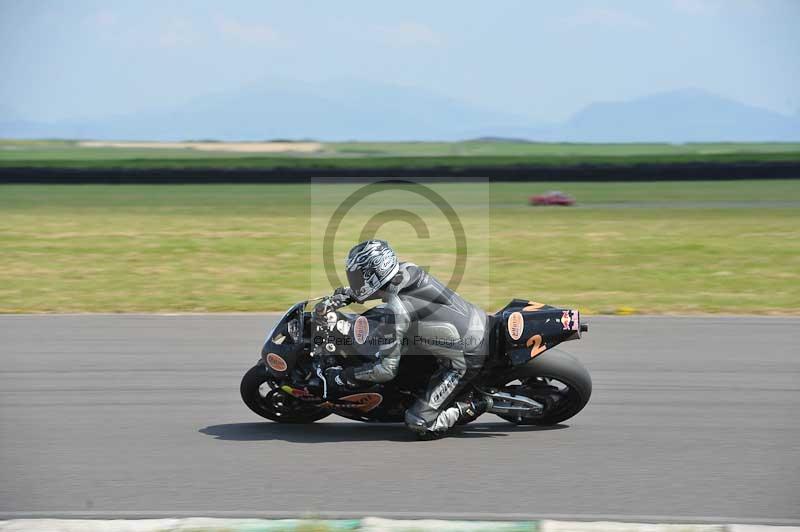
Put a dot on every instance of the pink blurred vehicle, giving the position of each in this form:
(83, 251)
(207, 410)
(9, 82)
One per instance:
(552, 198)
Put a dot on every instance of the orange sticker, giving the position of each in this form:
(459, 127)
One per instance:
(516, 323)
(361, 330)
(536, 345)
(533, 306)
(363, 402)
(276, 362)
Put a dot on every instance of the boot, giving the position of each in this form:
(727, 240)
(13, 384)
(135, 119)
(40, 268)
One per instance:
(472, 409)
(461, 413)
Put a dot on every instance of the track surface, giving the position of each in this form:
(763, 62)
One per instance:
(140, 415)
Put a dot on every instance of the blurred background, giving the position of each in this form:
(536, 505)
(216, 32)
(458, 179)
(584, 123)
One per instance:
(629, 109)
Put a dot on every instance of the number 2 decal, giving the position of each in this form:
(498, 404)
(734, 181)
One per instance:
(536, 345)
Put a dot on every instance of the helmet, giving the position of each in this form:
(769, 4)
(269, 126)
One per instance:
(370, 265)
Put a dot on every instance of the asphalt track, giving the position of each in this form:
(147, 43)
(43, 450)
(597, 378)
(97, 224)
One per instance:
(692, 419)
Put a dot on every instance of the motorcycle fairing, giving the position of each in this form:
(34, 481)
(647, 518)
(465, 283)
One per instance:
(529, 328)
(280, 350)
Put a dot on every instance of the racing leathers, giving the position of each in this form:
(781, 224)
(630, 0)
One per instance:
(429, 318)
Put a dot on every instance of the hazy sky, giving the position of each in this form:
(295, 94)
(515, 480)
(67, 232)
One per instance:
(85, 59)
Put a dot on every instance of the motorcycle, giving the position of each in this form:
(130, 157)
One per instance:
(529, 382)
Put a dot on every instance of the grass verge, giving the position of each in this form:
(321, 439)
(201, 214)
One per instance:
(659, 248)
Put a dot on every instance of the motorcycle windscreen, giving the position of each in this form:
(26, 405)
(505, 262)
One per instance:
(279, 352)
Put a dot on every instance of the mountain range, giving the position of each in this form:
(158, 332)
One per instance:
(348, 111)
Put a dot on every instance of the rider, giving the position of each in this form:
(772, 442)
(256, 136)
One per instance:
(443, 324)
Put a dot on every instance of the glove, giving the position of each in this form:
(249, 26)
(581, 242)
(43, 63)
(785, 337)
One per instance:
(337, 381)
(342, 296)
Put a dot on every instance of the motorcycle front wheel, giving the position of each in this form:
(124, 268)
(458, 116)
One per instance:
(275, 404)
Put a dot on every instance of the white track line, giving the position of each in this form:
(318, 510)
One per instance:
(697, 519)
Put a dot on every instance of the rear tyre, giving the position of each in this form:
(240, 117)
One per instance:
(556, 380)
(275, 404)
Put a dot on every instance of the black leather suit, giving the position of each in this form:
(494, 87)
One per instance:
(431, 319)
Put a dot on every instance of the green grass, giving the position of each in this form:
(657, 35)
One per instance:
(389, 155)
(548, 149)
(255, 248)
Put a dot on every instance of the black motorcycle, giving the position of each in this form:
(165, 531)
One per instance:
(529, 383)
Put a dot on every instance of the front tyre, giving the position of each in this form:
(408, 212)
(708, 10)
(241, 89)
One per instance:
(275, 404)
(556, 380)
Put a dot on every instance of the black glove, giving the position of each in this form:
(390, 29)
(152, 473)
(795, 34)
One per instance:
(342, 296)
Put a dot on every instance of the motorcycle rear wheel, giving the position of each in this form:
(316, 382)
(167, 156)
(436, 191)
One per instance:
(275, 404)
(556, 380)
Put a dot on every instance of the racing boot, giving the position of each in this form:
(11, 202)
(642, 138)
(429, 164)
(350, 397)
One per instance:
(461, 413)
(470, 410)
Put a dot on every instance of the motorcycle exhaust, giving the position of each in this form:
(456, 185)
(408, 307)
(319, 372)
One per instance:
(506, 403)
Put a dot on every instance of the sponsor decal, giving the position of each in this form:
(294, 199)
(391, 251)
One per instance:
(363, 402)
(343, 326)
(361, 330)
(565, 320)
(443, 390)
(516, 323)
(571, 320)
(301, 393)
(331, 319)
(276, 362)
